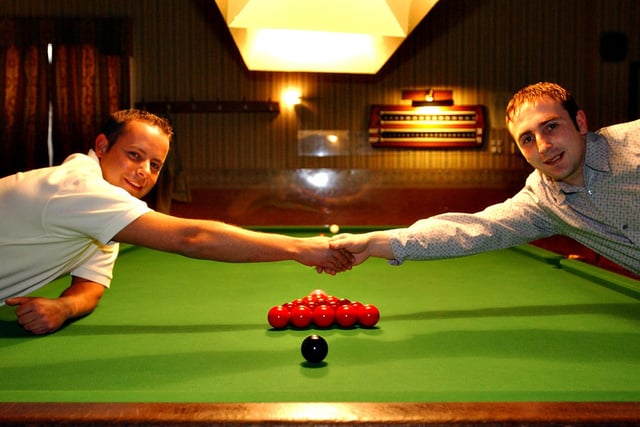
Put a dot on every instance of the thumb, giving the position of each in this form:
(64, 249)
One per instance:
(336, 243)
(16, 300)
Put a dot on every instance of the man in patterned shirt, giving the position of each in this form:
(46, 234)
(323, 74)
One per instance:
(586, 186)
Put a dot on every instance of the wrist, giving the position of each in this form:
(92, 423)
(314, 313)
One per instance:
(68, 307)
(380, 245)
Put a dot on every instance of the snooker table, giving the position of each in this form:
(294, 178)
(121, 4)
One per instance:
(517, 336)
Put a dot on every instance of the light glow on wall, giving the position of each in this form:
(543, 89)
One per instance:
(291, 97)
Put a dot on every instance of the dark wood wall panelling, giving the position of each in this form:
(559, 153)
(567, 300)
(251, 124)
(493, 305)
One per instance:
(483, 50)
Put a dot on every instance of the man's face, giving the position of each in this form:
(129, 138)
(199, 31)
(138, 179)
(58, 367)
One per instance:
(134, 161)
(549, 140)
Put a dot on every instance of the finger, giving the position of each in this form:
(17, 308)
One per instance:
(36, 328)
(24, 308)
(335, 244)
(35, 323)
(349, 256)
(345, 258)
(329, 271)
(332, 266)
(336, 241)
(338, 263)
(16, 300)
(26, 316)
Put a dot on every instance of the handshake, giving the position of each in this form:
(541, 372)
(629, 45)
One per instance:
(348, 250)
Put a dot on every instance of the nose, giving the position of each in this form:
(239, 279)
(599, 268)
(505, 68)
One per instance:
(542, 144)
(144, 168)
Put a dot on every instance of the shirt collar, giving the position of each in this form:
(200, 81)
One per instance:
(93, 155)
(596, 160)
(597, 157)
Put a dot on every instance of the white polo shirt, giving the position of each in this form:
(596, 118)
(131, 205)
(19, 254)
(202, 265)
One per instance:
(60, 220)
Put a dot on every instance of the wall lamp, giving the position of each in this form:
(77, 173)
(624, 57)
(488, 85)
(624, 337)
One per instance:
(428, 97)
(291, 97)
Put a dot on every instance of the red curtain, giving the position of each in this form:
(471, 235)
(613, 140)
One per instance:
(23, 96)
(91, 80)
(87, 80)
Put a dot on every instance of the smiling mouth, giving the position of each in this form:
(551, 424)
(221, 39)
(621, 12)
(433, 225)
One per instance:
(554, 160)
(133, 185)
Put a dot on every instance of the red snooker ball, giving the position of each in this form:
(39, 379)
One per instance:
(298, 301)
(301, 316)
(357, 305)
(323, 316)
(318, 293)
(368, 316)
(343, 301)
(288, 305)
(346, 315)
(278, 317)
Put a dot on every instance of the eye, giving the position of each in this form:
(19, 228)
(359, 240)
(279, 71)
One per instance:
(551, 126)
(526, 139)
(133, 155)
(156, 166)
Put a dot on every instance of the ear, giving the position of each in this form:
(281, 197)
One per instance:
(101, 145)
(581, 120)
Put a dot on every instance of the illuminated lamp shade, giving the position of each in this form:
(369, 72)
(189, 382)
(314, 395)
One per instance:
(330, 36)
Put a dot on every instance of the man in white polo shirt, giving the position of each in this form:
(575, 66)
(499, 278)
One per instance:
(68, 219)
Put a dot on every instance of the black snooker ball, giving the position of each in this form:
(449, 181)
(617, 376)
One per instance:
(314, 349)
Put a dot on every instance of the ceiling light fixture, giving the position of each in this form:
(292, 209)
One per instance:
(332, 36)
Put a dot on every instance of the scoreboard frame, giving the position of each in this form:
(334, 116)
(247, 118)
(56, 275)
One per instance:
(404, 126)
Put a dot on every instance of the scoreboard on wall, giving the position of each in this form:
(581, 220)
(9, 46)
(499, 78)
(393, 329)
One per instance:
(406, 126)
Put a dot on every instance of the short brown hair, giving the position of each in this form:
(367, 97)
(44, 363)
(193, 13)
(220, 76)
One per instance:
(116, 123)
(535, 92)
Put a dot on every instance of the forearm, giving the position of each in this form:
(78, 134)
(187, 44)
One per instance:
(460, 234)
(45, 315)
(81, 298)
(378, 245)
(222, 242)
(365, 245)
(217, 241)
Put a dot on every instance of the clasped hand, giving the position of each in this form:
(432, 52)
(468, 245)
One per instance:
(38, 315)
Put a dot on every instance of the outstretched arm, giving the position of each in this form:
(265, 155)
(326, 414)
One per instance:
(218, 241)
(44, 315)
(362, 246)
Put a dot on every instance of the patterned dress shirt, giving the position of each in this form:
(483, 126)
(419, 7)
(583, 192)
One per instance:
(604, 215)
